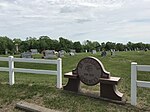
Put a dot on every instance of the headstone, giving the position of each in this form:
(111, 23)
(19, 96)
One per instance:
(49, 54)
(103, 54)
(90, 71)
(146, 49)
(17, 49)
(34, 51)
(86, 51)
(93, 51)
(61, 53)
(30, 107)
(26, 55)
(112, 51)
(6, 51)
(72, 52)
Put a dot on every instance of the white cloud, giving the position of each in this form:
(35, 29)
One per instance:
(100, 20)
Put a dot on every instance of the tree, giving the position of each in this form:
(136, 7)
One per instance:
(65, 44)
(6, 43)
(77, 46)
(96, 45)
(103, 46)
(120, 47)
(110, 45)
(45, 43)
(130, 45)
(17, 41)
(88, 45)
(55, 45)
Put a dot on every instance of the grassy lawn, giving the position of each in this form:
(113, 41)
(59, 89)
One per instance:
(41, 90)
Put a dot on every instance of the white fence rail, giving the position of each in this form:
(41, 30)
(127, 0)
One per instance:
(135, 82)
(11, 68)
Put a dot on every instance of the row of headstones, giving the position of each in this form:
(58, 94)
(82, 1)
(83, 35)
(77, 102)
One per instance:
(47, 53)
(112, 51)
(104, 53)
(53, 54)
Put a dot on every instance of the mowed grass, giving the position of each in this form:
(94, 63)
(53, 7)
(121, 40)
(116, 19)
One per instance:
(41, 89)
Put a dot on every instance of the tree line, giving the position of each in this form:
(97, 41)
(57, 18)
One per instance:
(45, 43)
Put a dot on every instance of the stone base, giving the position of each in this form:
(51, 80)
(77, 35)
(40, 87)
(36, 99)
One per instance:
(108, 88)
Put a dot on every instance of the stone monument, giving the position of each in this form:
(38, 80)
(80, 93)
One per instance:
(34, 51)
(72, 52)
(93, 51)
(49, 54)
(26, 55)
(90, 71)
(61, 53)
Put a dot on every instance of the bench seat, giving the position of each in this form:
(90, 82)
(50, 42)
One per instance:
(70, 75)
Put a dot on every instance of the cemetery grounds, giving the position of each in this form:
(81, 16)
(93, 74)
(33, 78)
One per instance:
(41, 89)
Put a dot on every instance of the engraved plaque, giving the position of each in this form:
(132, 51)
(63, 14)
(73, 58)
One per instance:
(89, 71)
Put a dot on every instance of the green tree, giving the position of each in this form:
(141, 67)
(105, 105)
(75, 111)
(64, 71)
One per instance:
(103, 46)
(77, 46)
(110, 45)
(96, 45)
(6, 43)
(65, 44)
(120, 47)
(88, 45)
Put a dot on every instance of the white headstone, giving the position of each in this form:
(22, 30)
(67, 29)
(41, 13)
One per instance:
(34, 51)
(93, 51)
(72, 52)
(61, 53)
(6, 51)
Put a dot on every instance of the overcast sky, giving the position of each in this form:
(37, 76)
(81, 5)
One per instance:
(77, 20)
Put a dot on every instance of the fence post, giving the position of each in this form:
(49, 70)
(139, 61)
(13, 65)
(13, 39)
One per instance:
(11, 70)
(59, 73)
(133, 83)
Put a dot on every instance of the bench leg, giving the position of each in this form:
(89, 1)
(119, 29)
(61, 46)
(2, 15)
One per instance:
(72, 85)
(110, 91)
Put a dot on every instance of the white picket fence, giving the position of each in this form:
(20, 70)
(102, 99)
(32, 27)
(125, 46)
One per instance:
(135, 82)
(11, 68)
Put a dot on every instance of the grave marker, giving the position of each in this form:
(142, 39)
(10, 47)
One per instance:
(91, 71)
(93, 51)
(34, 51)
(6, 51)
(26, 55)
(49, 54)
(61, 53)
(72, 52)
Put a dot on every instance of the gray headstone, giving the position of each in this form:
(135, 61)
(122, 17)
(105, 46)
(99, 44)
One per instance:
(61, 53)
(49, 54)
(26, 55)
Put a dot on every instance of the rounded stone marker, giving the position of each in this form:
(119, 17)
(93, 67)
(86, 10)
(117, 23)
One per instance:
(90, 70)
